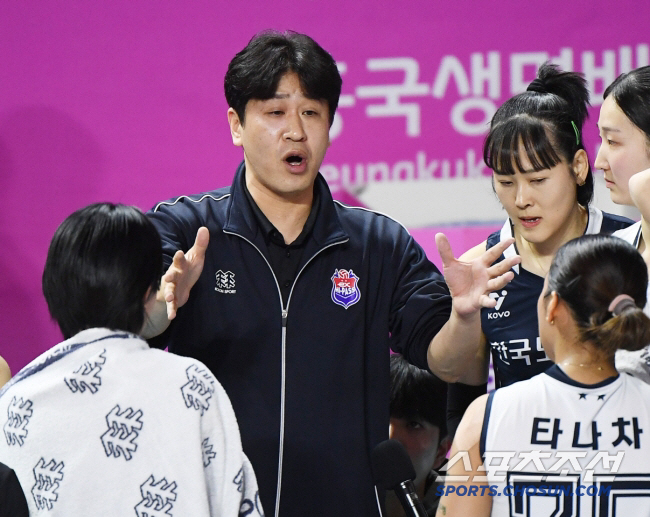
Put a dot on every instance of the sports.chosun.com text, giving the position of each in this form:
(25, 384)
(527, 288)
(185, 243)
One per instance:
(521, 489)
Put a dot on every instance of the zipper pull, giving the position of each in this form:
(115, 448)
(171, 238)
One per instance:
(284, 318)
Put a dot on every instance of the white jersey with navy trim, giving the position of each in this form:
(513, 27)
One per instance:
(510, 328)
(552, 446)
(635, 363)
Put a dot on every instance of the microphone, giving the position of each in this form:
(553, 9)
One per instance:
(392, 470)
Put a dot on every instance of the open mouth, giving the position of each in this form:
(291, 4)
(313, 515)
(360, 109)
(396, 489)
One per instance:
(530, 221)
(294, 159)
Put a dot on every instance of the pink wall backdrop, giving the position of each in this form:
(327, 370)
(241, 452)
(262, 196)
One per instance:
(123, 101)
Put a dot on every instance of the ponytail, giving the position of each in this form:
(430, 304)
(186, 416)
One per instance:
(628, 330)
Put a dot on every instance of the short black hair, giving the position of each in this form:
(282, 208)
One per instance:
(102, 260)
(631, 91)
(417, 393)
(547, 119)
(254, 73)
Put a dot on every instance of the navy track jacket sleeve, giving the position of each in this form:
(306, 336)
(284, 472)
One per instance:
(421, 304)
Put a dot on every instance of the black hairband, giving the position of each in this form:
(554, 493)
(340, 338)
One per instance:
(537, 86)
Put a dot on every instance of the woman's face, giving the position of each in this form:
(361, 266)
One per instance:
(624, 150)
(539, 203)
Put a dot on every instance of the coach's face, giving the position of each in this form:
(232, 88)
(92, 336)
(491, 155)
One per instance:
(284, 140)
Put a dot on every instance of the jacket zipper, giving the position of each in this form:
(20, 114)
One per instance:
(285, 317)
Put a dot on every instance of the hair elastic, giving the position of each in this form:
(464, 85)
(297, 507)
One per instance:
(620, 303)
(575, 129)
(537, 85)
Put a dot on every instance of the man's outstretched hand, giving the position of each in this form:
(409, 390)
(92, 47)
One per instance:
(183, 273)
(471, 283)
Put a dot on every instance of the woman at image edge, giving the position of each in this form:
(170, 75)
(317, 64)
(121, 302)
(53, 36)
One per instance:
(544, 182)
(590, 307)
(624, 157)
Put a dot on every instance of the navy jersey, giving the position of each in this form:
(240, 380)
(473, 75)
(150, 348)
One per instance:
(510, 328)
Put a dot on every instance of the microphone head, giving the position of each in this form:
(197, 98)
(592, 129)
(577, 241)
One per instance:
(391, 465)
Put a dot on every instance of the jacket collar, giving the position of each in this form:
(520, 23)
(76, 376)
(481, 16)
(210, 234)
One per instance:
(241, 219)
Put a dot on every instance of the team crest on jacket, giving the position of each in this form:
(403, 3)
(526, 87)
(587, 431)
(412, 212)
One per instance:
(345, 288)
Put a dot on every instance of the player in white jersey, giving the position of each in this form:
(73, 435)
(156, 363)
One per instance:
(624, 157)
(574, 440)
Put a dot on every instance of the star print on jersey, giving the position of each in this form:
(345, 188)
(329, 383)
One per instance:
(86, 377)
(47, 478)
(123, 428)
(199, 389)
(157, 498)
(18, 414)
(208, 453)
(583, 396)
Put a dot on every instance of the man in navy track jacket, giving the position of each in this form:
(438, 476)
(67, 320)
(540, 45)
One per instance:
(295, 298)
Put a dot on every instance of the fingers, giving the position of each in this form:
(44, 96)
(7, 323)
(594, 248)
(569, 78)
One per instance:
(200, 243)
(485, 300)
(444, 249)
(170, 278)
(176, 267)
(184, 272)
(500, 281)
(171, 310)
(169, 296)
(170, 299)
(496, 251)
(500, 274)
(503, 267)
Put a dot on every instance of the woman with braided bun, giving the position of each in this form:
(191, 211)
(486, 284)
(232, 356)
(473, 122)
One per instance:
(543, 180)
(581, 408)
(624, 157)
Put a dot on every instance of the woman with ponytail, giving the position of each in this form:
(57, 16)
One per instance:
(581, 409)
(624, 157)
(543, 180)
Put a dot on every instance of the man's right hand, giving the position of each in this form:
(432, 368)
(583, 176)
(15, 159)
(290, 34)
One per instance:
(183, 273)
(471, 282)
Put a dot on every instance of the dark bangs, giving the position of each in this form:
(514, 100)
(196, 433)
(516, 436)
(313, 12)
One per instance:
(502, 145)
(256, 71)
